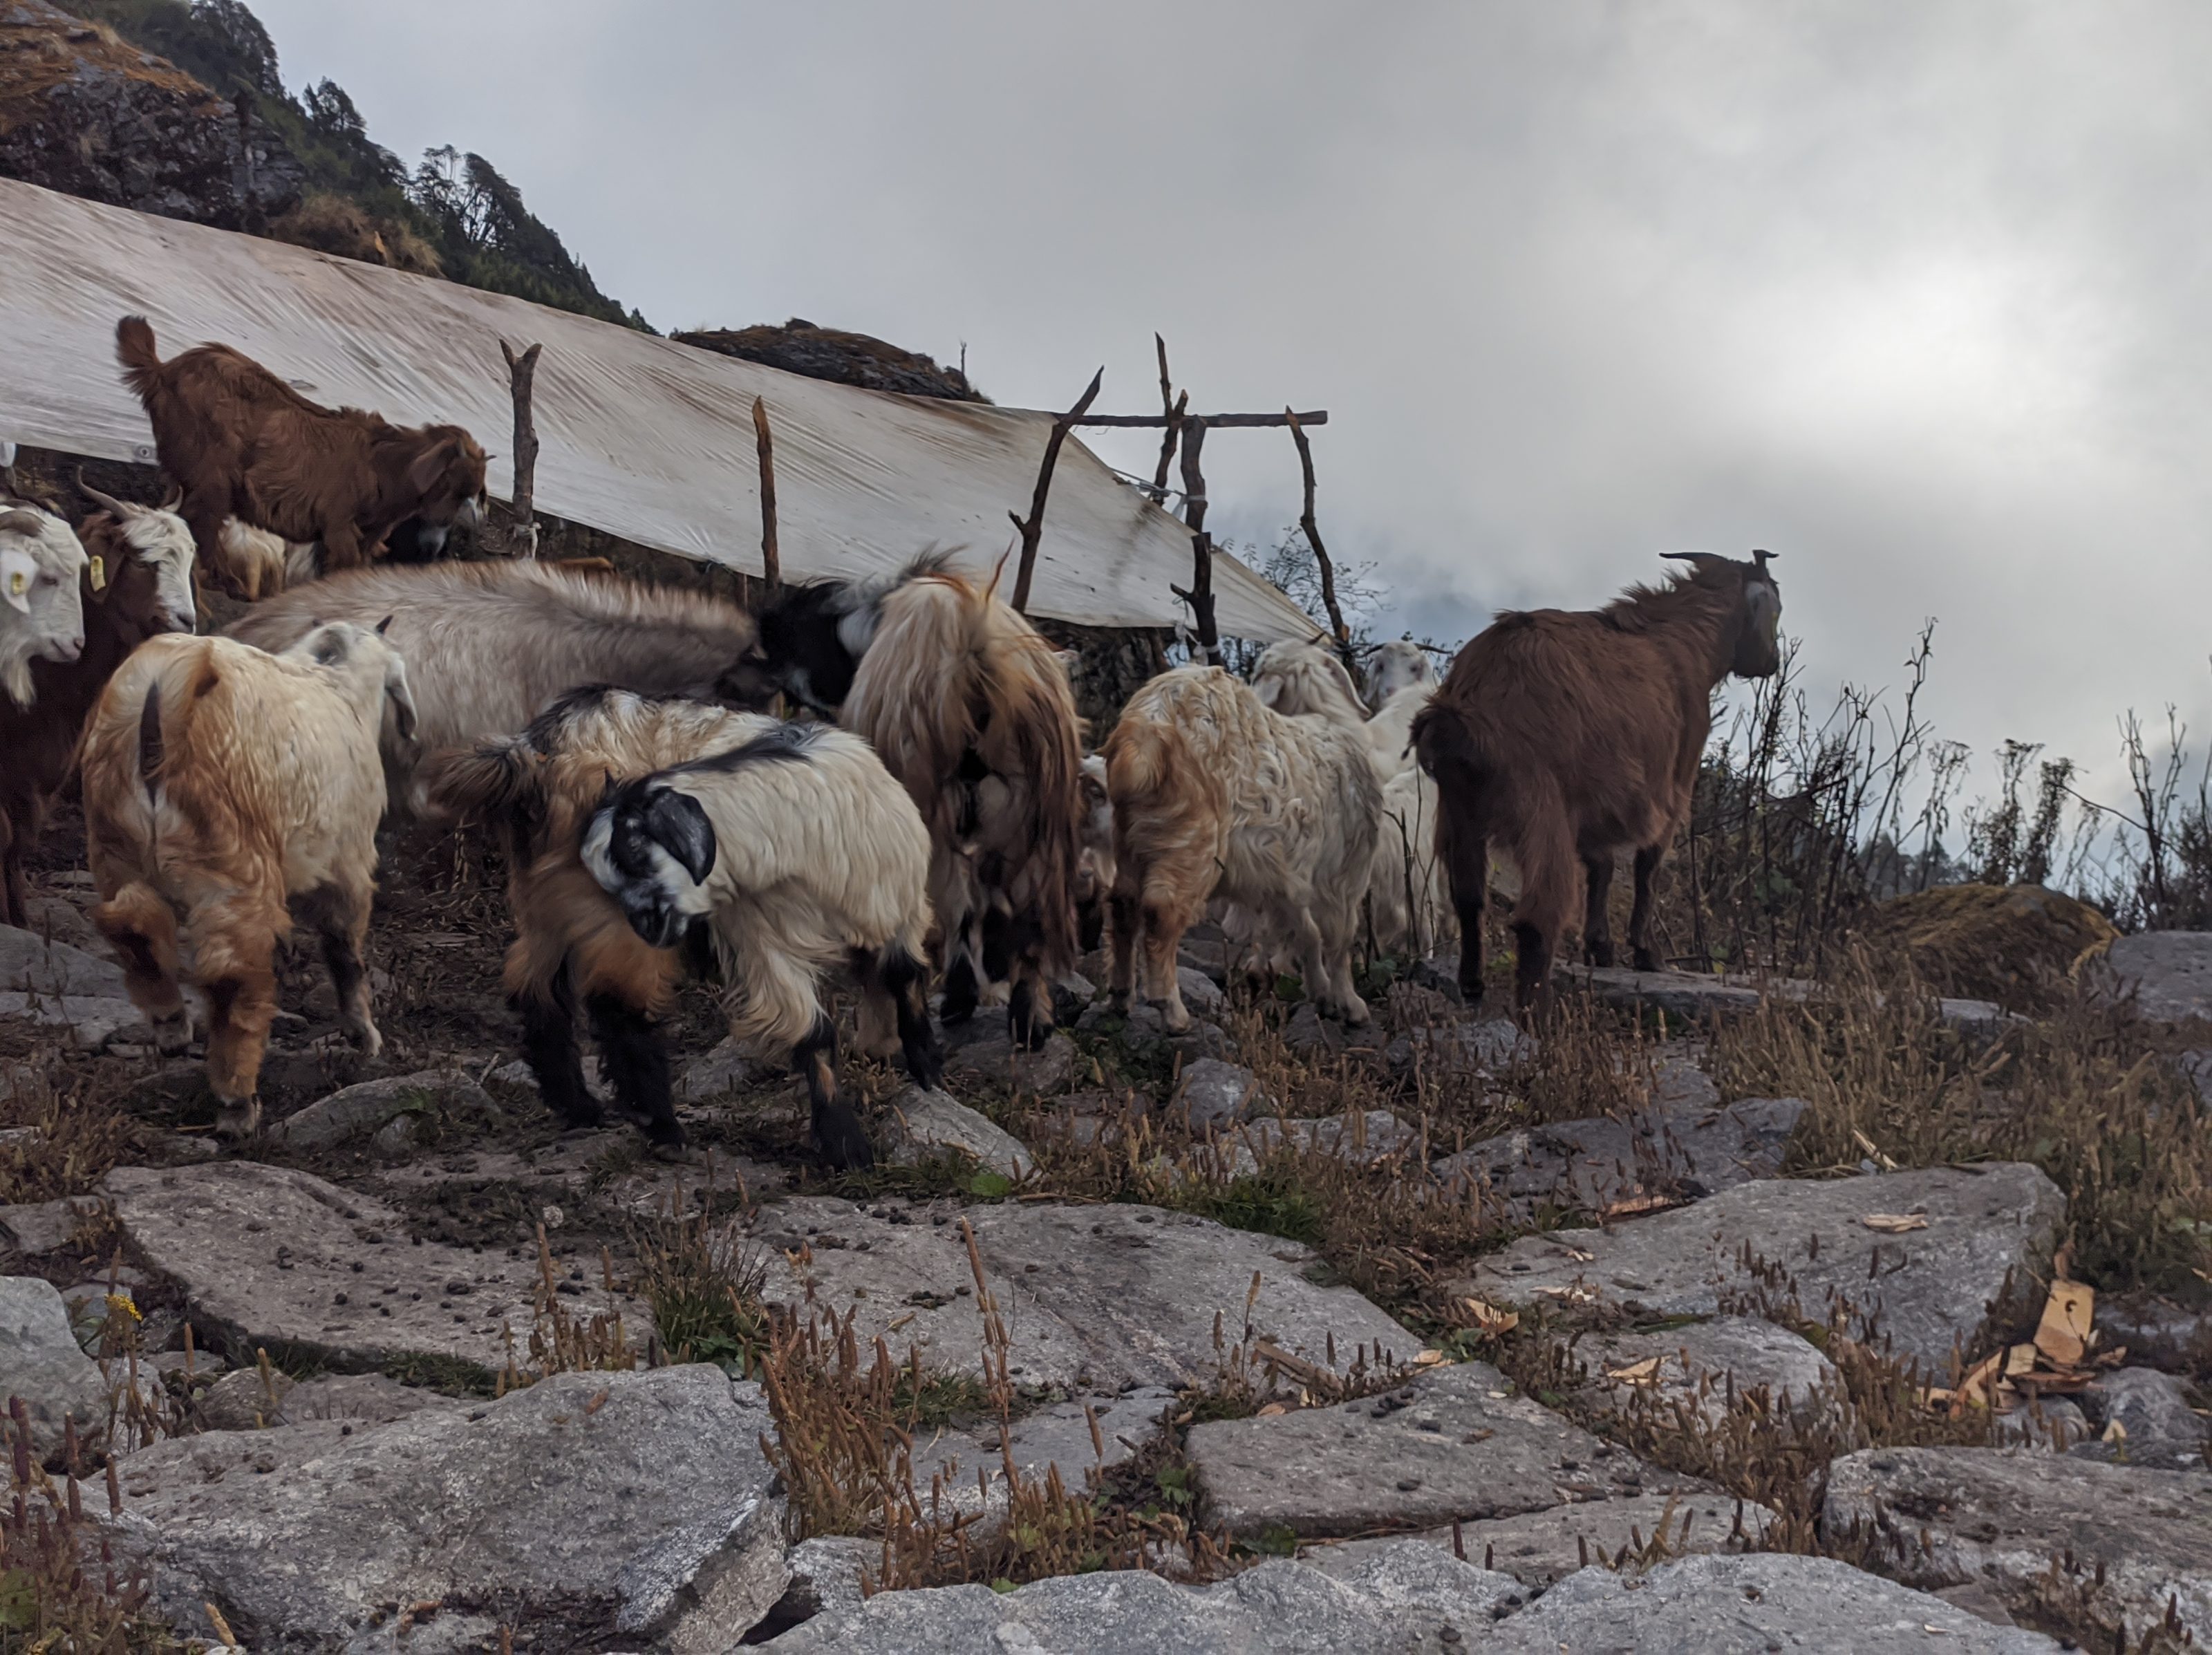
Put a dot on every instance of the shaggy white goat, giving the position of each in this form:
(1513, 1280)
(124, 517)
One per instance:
(1215, 794)
(799, 851)
(231, 788)
(1398, 665)
(41, 606)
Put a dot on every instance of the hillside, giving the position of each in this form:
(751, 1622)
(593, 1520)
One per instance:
(178, 108)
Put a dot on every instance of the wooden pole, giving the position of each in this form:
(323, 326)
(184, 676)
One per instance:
(1174, 407)
(521, 370)
(1032, 527)
(771, 558)
(1201, 595)
(1313, 538)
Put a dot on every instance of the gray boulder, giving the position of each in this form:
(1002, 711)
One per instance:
(2157, 1425)
(45, 1226)
(1458, 1442)
(28, 963)
(41, 1361)
(359, 1111)
(2168, 972)
(923, 1124)
(1687, 1148)
(1975, 1267)
(1999, 1517)
(1212, 1094)
(638, 1506)
(1677, 994)
(1366, 1136)
(1698, 1367)
(722, 1070)
(1749, 1605)
(1410, 1599)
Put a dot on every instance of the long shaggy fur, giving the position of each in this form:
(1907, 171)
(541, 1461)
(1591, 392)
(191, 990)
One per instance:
(242, 443)
(1566, 737)
(205, 825)
(971, 708)
(1216, 794)
(488, 645)
(145, 587)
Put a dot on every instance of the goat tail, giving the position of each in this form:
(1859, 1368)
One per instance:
(496, 782)
(1140, 756)
(150, 751)
(134, 349)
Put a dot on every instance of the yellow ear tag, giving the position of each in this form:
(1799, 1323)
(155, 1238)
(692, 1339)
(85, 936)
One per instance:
(18, 583)
(99, 571)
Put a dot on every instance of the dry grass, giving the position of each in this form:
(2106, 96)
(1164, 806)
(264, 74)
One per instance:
(78, 1134)
(332, 224)
(2088, 1094)
(60, 1586)
(563, 1342)
(703, 1279)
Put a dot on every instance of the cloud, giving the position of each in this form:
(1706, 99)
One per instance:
(1912, 296)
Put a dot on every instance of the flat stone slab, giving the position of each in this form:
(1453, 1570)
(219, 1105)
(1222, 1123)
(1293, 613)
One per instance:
(579, 1503)
(1979, 1263)
(1538, 1548)
(271, 1257)
(1057, 1434)
(1212, 1094)
(1691, 1149)
(93, 1020)
(922, 1124)
(360, 1110)
(1140, 1286)
(1398, 1601)
(1367, 1137)
(41, 1361)
(1459, 1442)
(1698, 1367)
(1677, 994)
(2169, 973)
(29, 962)
(1998, 1516)
(1750, 1605)
(45, 1226)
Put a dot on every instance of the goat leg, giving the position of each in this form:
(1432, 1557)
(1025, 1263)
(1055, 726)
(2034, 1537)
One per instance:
(906, 983)
(1466, 871)
(1597, 924)
(340, 920)
(963, 991)
(634, 1059)
(1127, 938)
(548, 1045)
(837, 1134)
(1639, 918)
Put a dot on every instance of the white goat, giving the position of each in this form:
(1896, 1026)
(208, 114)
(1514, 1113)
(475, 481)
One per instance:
(1401, 664)
(228, 788)
(1215, 794)
(42, 565)
(799, 851)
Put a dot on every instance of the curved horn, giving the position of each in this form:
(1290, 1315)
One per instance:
(1696, 559)
(120, 507)
(22, 522)
(1762, 558)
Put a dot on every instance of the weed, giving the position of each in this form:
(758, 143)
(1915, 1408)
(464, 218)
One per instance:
(60, 1586)
(703, 1279)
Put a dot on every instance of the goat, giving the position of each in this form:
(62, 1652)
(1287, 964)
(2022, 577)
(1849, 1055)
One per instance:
(1409, 907)
(1571, 735)
(1401, 664)
(42, 566)
(242, 443)
(1216, 793)
(1094, 862)
(195, 811)
(258, 565)
(138, 582)
(971, 709)
(828, 859)
(488, 645)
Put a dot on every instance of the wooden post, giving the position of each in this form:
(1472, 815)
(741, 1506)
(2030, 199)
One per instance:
(771, 557)
(1031, 527)
(1201, 595)
(521, 370)
(1313, 538)
(1173, 407)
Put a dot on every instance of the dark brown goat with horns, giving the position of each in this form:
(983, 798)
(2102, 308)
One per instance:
(1568, 736)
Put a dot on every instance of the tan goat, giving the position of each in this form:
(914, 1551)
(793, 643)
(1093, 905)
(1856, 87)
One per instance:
(222, 788)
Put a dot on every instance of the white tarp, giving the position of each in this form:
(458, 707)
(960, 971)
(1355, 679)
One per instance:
(648, 440)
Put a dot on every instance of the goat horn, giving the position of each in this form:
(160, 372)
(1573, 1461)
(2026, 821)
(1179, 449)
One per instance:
(119, 508)
(1763, 558)
(1699, 558)
(22, 522)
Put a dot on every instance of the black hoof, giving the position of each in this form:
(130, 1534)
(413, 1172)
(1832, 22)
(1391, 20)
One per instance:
(1647, 961)
(844, 1146)
(962, 993)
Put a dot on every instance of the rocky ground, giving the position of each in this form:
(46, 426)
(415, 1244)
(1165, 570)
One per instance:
(1439, 1334)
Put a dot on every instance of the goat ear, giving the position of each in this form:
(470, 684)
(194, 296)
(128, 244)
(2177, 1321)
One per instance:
(176, 499)
(675, 822)
(430, 466)
(330, 646)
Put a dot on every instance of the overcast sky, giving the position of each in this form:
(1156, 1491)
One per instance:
(1912, 294)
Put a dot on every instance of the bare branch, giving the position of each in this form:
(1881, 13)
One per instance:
(521, 372)
(1032, 527)
(771, 557)
(1313, 538)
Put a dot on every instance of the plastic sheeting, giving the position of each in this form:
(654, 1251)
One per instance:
(647, 440)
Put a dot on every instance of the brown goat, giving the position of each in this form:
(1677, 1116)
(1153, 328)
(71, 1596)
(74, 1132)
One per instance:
(1570, 735)
(143, 588)
(242, 443)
